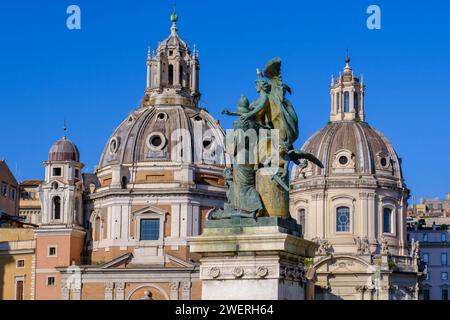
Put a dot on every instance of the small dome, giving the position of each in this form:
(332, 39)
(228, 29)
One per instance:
(64, 150)
(351, 147)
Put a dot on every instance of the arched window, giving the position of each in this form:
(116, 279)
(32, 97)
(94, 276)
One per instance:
(346, 101)
(338, 102)
(343, 219)
(302, 219)
(387, 220)
(170, 74)
(56, 208)
(355, 102)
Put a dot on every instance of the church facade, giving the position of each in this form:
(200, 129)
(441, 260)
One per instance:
(355, 208)
(121, 233)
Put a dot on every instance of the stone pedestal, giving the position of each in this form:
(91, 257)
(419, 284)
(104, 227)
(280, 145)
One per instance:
(244, 259)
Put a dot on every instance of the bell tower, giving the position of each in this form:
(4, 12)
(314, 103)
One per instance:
(60, 238)
(173, 70)
(347, 96)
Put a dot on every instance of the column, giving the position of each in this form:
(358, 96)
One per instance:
(186, 290)
(120, 290)
(109, 286)
(76, 293)
(174, 286)
(65, 293)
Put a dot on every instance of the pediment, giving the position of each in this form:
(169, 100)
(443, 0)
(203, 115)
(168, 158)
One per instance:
(117, 261)
(179, 262)
(345, 264)
(150, 210)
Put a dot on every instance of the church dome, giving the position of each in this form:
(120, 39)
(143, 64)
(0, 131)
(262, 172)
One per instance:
(352, 147)
(64, 150)
(168, 126)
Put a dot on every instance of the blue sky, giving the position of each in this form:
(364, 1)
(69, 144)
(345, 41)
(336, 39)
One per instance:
(95, 76)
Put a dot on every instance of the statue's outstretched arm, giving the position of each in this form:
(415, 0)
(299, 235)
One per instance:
(231, 113)
(257, 106)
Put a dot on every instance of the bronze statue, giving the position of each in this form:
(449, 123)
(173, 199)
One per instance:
(262, 188)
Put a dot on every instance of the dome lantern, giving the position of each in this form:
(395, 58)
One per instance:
(347, 96)
(173, 71)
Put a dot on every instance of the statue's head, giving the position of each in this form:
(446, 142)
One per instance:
(243, 105)
(262, 86)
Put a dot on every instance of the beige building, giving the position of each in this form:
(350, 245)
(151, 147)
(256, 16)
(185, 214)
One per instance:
(355, 208)
(17, 262)
(432, 208)
(29, 202)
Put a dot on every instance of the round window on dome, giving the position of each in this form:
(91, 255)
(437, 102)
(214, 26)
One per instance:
(162, 116)
(383, 162)
(343, 160)
(156, 141)
(208, 143)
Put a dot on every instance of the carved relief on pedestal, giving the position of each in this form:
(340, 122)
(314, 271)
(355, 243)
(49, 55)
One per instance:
(238, 272)
(214, 272)
(295, 273)
(262, 271)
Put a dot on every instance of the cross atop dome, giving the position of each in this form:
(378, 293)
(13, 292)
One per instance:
(174, 19)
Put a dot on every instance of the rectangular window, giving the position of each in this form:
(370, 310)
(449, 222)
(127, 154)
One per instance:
(57, 172)
(387, 220)
(77, 173)
(19, 289)
(426, 258)
(52, 251)
(430, 206)
(426, 294)
(425, 237)
(445, 294)
(443, 237)
(443, 259)
(440, 206)
(4, 190)
(51, 281)
(20, 263)
(150, 229)
(343, 219)
(444, 276)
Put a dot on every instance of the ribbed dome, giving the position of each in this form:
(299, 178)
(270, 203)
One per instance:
(165, 133)
(64, 150)
(352, 147)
